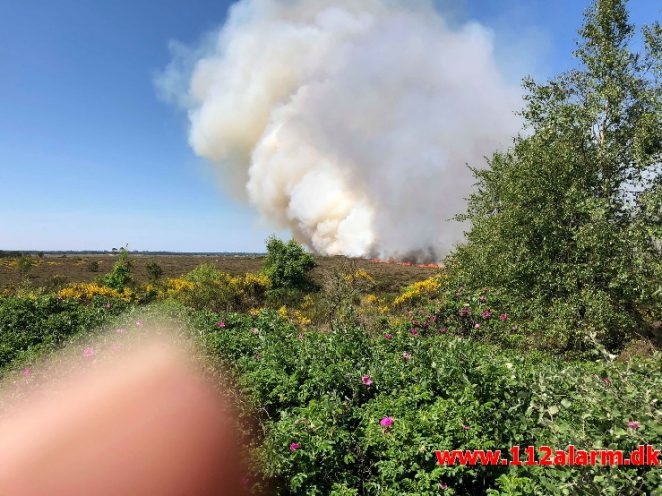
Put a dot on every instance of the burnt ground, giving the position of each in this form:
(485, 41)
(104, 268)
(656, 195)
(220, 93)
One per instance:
(52, 269)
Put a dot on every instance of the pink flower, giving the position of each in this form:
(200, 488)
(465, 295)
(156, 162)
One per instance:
(504, 316)
(466, 427)
(294, 447)
(433, 318)
(486, 314)
(443, 330)
(388, 335)
(406, 355)
(485, 290)
(443, 486)
(89, 352)
(476, 326)
(107, 305)
(255, 331)
(27, 372)
(632, 424)
(386, 422)
(481, 299)
(366, 380)
(300, 336)
(465, 310)
(607, 381)
(139, 323)
(414, 332)
(220, 324)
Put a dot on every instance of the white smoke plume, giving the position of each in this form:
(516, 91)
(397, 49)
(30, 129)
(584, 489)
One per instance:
(350, 122)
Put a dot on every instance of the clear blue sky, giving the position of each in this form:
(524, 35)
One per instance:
(90, 158)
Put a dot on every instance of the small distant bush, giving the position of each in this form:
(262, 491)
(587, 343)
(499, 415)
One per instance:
(342, 289)
(120, 275)
(24, 264)
(205, 287)
(287, 265)
(154, 271)
(93, 266)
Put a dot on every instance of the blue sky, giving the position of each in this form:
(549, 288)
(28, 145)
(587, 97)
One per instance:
(90, 158)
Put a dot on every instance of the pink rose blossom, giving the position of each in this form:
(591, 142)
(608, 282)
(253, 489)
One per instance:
(406, 355)
(476, 326)
(466, 427)
(414, 332)
(632, 424)
(486, 314)
(107, 305)
(504, 316)
(388, 335)
(294, 447)
(27, 372)
(139, 323)
(386, 422)
(220, 324)
(366, 380)
(443, 486)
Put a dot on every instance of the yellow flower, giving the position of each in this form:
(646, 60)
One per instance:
(88, 290)
(420, 289)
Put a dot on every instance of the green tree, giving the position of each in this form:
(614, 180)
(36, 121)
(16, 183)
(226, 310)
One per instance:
(567, 222)
(120, 275)
(287, 264)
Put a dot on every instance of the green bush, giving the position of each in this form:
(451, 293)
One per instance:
(32, 325)
(120, 275)
(448, 393)
(154, 271)
(287, 265)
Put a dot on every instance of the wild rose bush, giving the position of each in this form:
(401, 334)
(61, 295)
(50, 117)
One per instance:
(345, 413)
(31, 326)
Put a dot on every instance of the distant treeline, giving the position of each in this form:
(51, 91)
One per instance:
(16, 254)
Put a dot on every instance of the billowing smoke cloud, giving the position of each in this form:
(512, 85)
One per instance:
(350, 122)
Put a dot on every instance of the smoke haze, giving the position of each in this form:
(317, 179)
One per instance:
(349, 122)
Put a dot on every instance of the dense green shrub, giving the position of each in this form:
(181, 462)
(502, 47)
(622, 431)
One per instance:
(287, 264)
(32, 325)
(447, 393)
(205, 287)
(566, 224)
